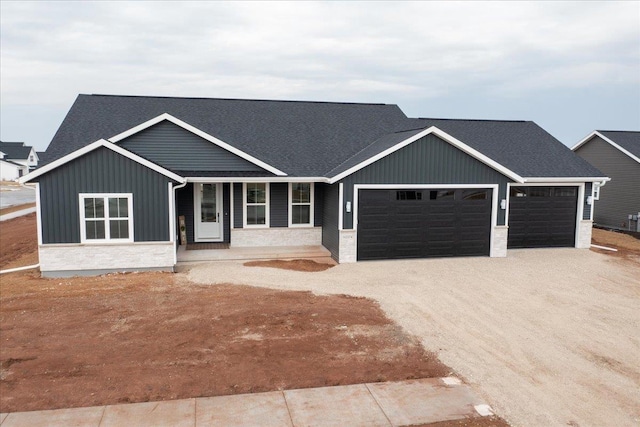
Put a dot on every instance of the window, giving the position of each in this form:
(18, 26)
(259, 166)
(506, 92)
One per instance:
(475, 195)
(409, 195)
(565, 192)
(441, 194)
(106, 218)
(256, 204)
(300, 204)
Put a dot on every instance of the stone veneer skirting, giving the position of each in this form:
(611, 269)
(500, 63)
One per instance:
(499, 243)
(585, 228)
(73, 259)
(252, 237)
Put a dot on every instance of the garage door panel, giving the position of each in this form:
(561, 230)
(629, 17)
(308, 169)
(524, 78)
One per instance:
(438, 223)
(542, 217)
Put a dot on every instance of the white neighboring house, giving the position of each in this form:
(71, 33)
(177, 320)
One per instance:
(11, 171)
(16, 160)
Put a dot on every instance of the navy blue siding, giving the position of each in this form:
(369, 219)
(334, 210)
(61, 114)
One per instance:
(330, 233)
(184, 206)
(586, 213)
(178, 149)
(278, 204)
(226, 207)
(318, 203)
(103, 171)
(429, 160)
(237, 206)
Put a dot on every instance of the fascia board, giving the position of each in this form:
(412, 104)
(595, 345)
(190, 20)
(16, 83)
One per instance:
(166, 116)
(93, 146)
(442, 135)
(608, 140)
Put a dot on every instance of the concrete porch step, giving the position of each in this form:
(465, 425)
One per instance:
(317, 253)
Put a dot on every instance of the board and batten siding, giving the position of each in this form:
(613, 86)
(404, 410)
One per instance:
(620, 197)
(429, 160)
(330, 232)
(103, 171)
(177, 149)
(185, 206)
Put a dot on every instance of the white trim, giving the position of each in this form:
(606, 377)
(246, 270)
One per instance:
(241, 179)
(311, 205)
(231, 210)
(341, 206)
(197, 200)
(608, 140)
(38, 213)
(107, 237)
(201, 134)
(580, 213)
(442, 135)
(574, 180)
(174, 215)
(172, 225)
(94, 146)
(494, 202)
(267, 204)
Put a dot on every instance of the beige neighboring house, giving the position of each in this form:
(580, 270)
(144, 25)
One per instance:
(16, 160)
(617, 155)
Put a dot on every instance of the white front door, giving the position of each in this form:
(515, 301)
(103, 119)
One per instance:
(207, 212)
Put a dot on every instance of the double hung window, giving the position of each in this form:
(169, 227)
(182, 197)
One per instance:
(300, 204)
(256, 204)
(106, 218)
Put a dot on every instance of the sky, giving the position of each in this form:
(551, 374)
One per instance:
(571, 67)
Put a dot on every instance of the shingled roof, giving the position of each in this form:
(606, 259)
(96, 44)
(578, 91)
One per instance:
(15, 150)
(315, 139)
(628, 140)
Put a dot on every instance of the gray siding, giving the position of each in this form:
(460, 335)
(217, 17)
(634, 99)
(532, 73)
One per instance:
(620, 196)
(103, 171)
(330, 233)
(178, 149)
(278, 204)
(430, 160)
(226, 207)
(237, 206)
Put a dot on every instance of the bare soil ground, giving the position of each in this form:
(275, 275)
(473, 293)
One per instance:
(18, 242)
(295, 264)
(628, 246)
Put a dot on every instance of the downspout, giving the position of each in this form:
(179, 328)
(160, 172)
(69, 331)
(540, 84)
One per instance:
(177, 187)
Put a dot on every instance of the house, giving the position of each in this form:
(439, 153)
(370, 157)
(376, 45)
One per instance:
(617, 154)
(17, 152)
(362, 180)
(10, 171)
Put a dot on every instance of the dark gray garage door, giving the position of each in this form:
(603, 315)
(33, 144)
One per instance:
(423, 223)
(541, 217)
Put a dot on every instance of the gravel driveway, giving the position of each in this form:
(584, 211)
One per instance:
(549, 337)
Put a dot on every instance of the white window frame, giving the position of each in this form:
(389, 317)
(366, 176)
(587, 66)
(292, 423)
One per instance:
(267, 189)
(311, 204)
(107, 231)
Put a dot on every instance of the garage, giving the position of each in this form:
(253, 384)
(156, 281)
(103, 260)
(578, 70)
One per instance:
(423, 223)
(542, 217)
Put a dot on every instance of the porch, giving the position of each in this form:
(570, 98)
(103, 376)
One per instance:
(316, 253)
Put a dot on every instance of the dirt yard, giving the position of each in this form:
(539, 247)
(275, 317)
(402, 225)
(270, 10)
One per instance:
(628, 246)
(18, 242)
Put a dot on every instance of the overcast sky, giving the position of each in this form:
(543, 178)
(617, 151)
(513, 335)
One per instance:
(571, 67)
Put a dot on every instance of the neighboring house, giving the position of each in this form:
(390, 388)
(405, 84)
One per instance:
(19, 153)
(617, 154)
(363, 180)
(10, 171)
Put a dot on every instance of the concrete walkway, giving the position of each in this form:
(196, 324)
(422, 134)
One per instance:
(400, 403)
(16, 214)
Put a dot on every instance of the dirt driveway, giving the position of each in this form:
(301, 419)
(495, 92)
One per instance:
(548, 337)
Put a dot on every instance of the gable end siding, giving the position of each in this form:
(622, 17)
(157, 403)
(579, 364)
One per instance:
(620, 196)
(103, 171)
(429, 160)
(176, 148)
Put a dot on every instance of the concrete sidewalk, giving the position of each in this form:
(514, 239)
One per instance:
(400, 403)
(16, 214)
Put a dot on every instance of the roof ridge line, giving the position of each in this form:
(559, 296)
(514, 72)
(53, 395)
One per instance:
(236, 99)
(475, 120)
